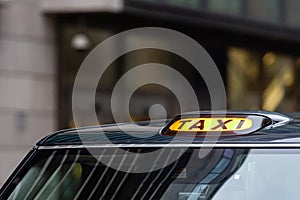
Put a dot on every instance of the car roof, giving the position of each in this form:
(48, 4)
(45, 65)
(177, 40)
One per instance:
(148, 133)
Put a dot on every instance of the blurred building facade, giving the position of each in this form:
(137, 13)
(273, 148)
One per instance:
(255, 44)
(28, 80)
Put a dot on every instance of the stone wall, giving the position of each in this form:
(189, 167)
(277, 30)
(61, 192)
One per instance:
(28, 80)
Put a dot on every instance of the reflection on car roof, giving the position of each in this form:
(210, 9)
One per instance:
(131, 133)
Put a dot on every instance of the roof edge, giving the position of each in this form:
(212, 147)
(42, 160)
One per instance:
(183, 145)
(81, 6)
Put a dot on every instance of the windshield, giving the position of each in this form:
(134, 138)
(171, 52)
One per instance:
(222, 174)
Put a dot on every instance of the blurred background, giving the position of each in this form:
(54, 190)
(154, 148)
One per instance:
(255, 44)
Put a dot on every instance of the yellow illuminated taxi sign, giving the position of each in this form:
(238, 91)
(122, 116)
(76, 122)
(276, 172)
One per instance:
(211, 125)
(220, 123)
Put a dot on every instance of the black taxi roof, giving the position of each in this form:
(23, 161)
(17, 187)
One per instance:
(143, 133)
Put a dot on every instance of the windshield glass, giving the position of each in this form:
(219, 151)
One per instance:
(222, 174)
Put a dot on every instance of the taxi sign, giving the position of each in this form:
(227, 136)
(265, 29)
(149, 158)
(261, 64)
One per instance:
(223, 124)
(220, 124)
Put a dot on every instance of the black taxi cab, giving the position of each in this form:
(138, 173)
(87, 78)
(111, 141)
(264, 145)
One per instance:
(195, 156)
